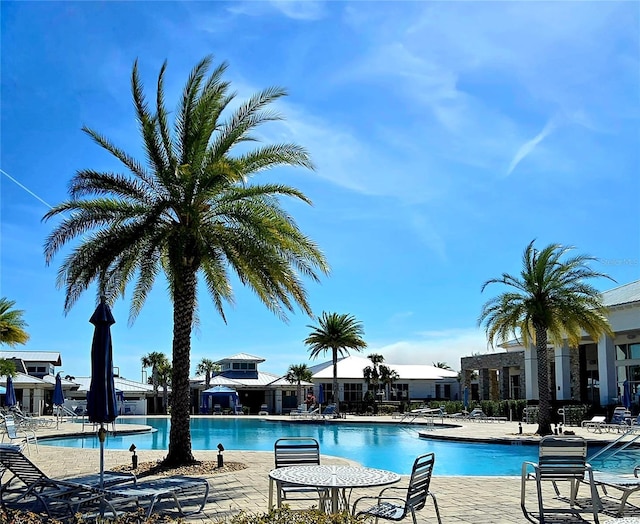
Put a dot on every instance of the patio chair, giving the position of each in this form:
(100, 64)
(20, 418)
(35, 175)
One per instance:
(182, 491)
(626, 483)
(217, 409)
(59, 497)
(264, 410)
(595, 424)
(297, 451)
(21, 435)
(328, 412)
(560, 459)
(237, 409)
(389, 507)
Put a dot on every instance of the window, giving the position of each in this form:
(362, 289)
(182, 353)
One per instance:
(352, 392)
(628, 351)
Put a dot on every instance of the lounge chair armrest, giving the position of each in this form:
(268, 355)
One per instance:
(391, 488)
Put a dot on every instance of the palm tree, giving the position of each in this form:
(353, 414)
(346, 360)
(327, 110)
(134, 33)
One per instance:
(338, 333)
(154, 360)
(551, 300)
(442, 365)
(189, 211)
(7, 368)
(388, 376)
(371, 373)
(12, 326)
(298, 373)
(207, 367)
(164, 377)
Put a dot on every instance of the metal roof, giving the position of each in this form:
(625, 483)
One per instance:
(123, 384)
(241, 357)
(34, 356)
(353, 366)
(626, 294)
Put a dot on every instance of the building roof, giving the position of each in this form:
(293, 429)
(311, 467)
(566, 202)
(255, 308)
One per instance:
(626, 294)
(241, 357)
(22, 379)
(353, 366)
(33, 356)
(254, 379)
(123, 384)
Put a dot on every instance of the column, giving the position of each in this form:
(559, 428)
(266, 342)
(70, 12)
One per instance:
(531, 373)
(563, 372)
(483, 383)
(504, 384)
(607, 370)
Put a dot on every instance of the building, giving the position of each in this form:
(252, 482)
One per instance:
(592, 373)
(254, 387)
(414, 382)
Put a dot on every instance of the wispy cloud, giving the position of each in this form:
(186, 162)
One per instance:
(300, 9)
(528, 147)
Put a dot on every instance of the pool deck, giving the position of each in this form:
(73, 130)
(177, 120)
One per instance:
(473, 500)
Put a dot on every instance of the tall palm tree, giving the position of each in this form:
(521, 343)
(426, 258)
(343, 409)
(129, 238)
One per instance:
(12, 325)
(207, 367)
(371, 373)
(189, 210)
(298, 373)
(338, 333)
(154, 360)
(551, 300)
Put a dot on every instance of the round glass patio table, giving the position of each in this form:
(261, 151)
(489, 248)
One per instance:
(333, 478)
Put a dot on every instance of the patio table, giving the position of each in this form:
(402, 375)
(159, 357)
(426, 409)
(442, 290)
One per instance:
(334, 478)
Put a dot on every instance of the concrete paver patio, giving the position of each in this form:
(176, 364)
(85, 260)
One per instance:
(473, 500)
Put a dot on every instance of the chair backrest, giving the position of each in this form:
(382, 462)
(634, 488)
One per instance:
(329, 410)
(562, 457)
(10, 425)
(12, 459)
(419, 482)
(296, 451)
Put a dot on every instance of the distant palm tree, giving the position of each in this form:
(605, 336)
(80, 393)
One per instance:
(298, 373)
(551, 300)
(442, 365)
(154, 360)
(12, 326)
(371, 374)
(164, 377)
(207, 367)
(388, 377)
(7, 368)
(338, 333)
(189, 211)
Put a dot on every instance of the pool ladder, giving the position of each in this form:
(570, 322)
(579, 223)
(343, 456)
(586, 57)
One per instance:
(626, 439)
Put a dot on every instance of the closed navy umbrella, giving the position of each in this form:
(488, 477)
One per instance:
(102, 407)
(58, 398)
(10, 395)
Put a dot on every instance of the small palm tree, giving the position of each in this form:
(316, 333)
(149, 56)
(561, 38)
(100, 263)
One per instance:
(551, 300)
(372, 373)
(298, 373)
(12, 326)
(337, 333)
(207, 367)
(442, 365)
(189, 211)
(164, 378)
(7, 368)
(388, 377)
(154, 360)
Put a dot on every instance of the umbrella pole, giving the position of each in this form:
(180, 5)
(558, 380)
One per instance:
(102, 434)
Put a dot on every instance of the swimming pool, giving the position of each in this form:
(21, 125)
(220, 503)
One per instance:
(387, 446)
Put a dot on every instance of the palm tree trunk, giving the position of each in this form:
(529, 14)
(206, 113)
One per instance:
(335, 380)
(180, 435)
(544, 411)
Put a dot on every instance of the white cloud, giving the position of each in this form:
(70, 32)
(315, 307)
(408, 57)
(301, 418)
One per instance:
(434, 346)
(528, 147)
(300, 9)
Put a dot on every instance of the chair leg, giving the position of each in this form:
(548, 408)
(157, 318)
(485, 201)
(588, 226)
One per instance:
(435, 505)
(539, 489)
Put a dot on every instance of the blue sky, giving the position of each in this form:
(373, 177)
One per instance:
(446, 136)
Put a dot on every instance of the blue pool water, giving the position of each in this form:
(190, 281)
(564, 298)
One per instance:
(387, 446)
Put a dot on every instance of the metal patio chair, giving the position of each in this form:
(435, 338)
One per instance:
(389, 507)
